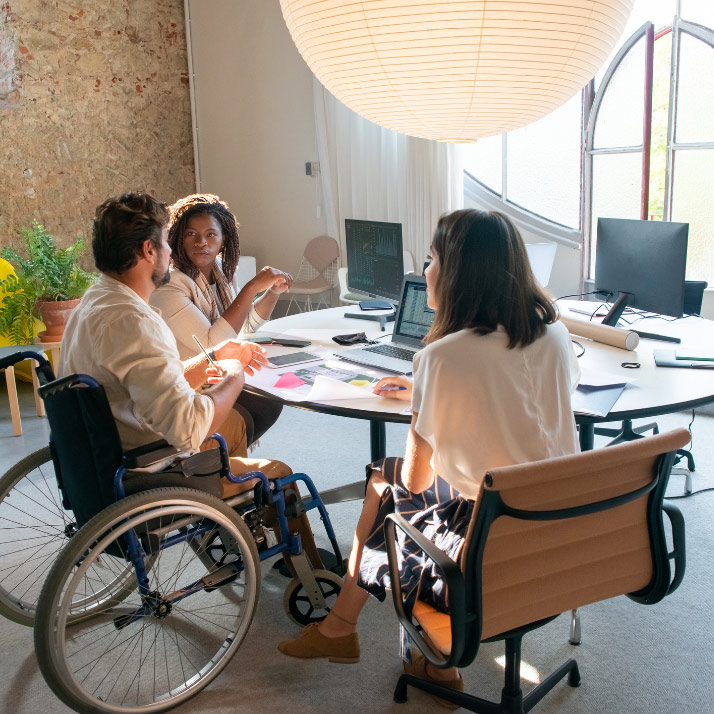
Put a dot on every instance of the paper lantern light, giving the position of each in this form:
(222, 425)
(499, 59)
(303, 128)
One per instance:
(454, 70)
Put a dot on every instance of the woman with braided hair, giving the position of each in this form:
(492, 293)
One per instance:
(203, 297)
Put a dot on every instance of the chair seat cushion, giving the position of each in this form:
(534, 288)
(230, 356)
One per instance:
(436, 625)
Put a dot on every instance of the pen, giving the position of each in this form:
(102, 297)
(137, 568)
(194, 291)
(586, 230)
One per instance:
(208, 357)
(391, 389)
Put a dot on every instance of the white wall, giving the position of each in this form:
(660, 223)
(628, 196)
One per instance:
(256, 129)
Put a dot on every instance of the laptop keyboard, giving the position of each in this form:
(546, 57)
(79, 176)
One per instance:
(391, 351)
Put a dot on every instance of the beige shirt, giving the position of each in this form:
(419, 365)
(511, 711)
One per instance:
(115, 337)
(186, 310)
(481, 405)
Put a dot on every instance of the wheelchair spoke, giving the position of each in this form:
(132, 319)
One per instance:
(33, 528)
(160, 643)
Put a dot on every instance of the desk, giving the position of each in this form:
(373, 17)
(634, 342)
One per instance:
(658, 390)
(318, 326)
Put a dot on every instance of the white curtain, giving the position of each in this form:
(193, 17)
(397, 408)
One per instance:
(375, 174)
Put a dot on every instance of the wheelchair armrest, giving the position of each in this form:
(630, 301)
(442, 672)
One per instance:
(679, 553)
(455, 587)
(144, 456)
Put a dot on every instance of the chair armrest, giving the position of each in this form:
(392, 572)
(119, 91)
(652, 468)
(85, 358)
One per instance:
(679, 553)
(144, 456)
(455, 587)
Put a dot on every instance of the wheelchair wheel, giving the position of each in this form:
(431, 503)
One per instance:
(297, 602)
(33, 529)
(150, 652)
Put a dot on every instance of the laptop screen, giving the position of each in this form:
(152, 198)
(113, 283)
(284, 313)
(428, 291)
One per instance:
(414, 318)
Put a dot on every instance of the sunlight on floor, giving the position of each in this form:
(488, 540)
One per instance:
(528, 672)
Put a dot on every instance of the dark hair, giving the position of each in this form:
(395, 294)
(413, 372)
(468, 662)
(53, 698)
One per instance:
(193, 205)
(121, 225)
(485, 279)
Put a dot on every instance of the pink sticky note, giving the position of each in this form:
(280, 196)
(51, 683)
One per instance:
(288, 380)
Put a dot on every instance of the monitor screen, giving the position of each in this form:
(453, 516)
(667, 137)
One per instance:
(375, 262)
(644, 258)
(415, 316)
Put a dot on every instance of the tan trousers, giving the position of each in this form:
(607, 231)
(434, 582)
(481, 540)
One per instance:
(273, 469)
(233, 431)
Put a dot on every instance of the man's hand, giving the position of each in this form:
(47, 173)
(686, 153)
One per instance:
(232, 369)
(250, 355)
(271, 279)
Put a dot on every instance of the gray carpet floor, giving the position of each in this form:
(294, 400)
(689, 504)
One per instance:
(633, 659)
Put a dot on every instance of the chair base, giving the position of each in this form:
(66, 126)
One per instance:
(512, 699)
(510, 703)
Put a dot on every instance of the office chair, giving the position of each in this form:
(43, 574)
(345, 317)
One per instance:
(317, 274)
(693, 296)
(577, 530)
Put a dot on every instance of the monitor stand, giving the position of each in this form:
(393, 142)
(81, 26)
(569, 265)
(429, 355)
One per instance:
(381, 319)
(618, 307)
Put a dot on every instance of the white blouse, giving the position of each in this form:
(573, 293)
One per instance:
(480, 405)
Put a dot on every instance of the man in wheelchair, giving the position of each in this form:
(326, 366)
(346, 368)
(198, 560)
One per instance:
(158, 575)
(117, 338)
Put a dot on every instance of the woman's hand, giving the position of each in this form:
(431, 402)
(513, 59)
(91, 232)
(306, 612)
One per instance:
(272, 279)
(250, 355)
(396, 387)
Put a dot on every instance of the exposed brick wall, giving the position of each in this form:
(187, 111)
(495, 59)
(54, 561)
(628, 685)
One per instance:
(94, 101)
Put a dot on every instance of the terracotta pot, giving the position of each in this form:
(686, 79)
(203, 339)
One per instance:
(55, 315)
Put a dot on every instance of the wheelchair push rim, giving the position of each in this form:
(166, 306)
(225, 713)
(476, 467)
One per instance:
(148, 653)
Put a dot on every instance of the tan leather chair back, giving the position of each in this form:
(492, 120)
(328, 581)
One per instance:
(533, 570)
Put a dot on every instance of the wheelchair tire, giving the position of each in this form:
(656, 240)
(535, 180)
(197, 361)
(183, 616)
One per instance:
(34, 527)
(153, 653)
(297, 603)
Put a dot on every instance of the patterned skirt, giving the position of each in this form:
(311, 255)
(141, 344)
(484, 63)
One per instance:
(440, 513)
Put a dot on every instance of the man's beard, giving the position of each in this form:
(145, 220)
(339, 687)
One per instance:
(158, 279)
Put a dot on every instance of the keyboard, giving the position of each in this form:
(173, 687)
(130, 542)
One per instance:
(392, 351)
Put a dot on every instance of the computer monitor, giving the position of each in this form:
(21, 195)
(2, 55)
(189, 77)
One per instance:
(642, 263)
(375, 261)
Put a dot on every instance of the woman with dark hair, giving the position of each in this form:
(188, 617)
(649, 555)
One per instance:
(491, 388)
(203, 297)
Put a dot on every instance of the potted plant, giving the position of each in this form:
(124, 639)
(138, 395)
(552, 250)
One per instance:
(47, 285)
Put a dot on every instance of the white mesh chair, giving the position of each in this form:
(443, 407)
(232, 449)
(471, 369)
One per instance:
(317, 275)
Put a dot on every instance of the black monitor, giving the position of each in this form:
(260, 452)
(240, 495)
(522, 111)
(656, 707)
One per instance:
(642, 264)
(375, 259)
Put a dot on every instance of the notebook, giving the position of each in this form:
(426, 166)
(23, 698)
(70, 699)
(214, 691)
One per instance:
(411, 324)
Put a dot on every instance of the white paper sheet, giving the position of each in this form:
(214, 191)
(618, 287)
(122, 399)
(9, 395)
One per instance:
(598, 378)
(326, 389)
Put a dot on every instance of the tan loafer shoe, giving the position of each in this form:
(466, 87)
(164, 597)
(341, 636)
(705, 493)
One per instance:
(417, 667)
(310, 643)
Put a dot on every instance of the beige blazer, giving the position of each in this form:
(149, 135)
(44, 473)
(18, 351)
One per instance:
(185, 310)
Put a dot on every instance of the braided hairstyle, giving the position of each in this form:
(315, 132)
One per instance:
(195, 204)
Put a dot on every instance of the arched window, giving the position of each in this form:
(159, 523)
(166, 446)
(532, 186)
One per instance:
(641, 147)
(650, 138)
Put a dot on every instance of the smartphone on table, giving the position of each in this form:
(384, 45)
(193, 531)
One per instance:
(291, 358)
(282, 342)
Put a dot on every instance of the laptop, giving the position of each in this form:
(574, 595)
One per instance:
(411, 324)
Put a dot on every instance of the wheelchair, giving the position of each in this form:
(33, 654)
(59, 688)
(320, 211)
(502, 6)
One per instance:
(148, 593)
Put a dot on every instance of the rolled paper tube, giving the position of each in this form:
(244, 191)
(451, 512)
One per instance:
(624, 339)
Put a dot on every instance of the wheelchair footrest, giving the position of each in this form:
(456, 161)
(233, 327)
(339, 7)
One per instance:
(328, 560)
